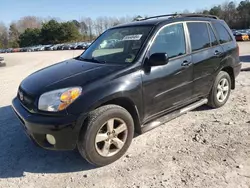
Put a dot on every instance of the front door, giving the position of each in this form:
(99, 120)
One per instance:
(170, 85)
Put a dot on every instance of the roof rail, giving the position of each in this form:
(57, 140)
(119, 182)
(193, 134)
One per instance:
(199, 15)
(179, 15)
(159, 16)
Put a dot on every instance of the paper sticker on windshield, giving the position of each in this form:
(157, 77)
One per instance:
(132, 37)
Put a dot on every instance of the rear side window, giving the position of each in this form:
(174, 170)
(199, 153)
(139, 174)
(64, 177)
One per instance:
(213, 39)
(199, 36)
(222, 32)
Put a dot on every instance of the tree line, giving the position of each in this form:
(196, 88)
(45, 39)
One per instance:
(236, 16)
(30, 30)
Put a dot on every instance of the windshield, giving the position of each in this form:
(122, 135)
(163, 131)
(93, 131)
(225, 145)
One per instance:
(119, 45)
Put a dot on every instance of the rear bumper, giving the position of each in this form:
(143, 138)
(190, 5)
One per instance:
(237, 69)
(64, 128)
(242, 38)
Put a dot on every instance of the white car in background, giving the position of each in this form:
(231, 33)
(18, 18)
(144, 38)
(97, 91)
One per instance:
(2, 63)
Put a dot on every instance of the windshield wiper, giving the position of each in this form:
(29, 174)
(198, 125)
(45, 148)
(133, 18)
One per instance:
(98, 61)
(92, 60)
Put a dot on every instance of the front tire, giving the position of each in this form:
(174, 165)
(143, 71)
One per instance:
(107, 136)
(220, 91)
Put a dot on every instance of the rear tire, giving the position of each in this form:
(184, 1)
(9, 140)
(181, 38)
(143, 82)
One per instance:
(220, 91)
(106, 136)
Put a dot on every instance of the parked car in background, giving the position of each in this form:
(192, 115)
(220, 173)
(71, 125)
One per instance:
(60, 46)
(28, 49)
(48, 47)
(66, 47)
(248, 32)
(16, 50)
(33, 48)
(22, 49)
(42, 47)
(2, 63)
(36, 48)
(9, 50)
(74, 46)
(241, 35)
(55, 47)
(1, 59)
(81, 45)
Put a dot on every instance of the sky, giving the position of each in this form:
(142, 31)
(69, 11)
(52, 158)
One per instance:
(11, 10)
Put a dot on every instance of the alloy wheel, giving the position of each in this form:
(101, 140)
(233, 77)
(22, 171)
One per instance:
(222, 90)
(111, 137)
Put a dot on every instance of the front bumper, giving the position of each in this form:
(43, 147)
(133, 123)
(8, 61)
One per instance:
(65, 129)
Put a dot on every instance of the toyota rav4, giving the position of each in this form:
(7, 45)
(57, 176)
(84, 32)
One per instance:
(158, 68)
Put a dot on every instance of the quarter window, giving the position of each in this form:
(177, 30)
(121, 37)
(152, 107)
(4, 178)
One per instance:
(223, 34)
(170, 40)
(213, 39)
(199, 37)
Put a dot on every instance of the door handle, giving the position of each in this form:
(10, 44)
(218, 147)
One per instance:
(186, 63)
(217, 53)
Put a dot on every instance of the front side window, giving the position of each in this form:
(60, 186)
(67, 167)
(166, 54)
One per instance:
(170, 40)
(199, 37)
(222, 32)
(118, 45)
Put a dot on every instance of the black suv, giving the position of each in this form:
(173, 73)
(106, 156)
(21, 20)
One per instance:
(163, 65)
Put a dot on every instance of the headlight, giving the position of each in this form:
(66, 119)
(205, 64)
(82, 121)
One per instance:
(58, 100)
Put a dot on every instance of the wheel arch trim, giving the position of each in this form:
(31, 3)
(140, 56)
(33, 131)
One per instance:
(119, 100)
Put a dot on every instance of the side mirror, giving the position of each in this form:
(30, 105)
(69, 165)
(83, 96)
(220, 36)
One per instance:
(158, 59)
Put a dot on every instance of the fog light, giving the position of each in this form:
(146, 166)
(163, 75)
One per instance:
(51, 139)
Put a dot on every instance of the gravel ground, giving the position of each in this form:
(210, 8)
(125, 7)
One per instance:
(204, 148)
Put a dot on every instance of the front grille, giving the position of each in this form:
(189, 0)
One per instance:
(27, 100)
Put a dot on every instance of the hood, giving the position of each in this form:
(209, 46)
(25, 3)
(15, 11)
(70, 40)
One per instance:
(66, 74)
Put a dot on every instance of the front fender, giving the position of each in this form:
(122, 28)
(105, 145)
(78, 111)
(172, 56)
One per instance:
(126, 86)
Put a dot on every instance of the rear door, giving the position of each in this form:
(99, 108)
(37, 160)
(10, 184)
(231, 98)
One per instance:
(226, 39)
(206, 56)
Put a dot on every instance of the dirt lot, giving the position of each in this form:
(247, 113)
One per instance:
(204, 148)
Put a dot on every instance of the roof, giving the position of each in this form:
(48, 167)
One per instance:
(156, 20)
